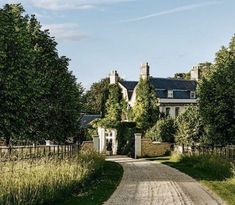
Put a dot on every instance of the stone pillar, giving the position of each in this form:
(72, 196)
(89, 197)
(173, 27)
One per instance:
(115, 142)
(102, 139)
(137, 145)
(96, 143)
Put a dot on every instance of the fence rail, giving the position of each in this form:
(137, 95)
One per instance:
(227, 152)
(32, 152)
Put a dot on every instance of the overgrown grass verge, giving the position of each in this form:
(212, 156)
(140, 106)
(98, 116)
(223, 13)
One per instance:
(100, 187)
(214, 172)
(46, 181)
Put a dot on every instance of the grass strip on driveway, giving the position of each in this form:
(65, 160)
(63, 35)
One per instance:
(98, 189)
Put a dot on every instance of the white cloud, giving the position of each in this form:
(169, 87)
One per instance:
(171, 11)
(60, 5)
(65, 32)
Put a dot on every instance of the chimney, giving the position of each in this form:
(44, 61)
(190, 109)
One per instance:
(195, 73)
(113, 77)
(144, 71)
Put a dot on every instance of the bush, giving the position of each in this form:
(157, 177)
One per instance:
(163, 131)
(125, 137)
(47, 180)
(208, 166)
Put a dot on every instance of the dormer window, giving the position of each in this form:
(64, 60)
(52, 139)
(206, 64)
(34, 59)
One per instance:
(192, 94)
(170, 94)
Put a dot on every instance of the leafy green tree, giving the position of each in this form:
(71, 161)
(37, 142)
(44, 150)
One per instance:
(163, 131)
(145, 110)
(39, 97)
(113, 107)
(95, 98)
(190, 128)
(217, 97)
(15, 57)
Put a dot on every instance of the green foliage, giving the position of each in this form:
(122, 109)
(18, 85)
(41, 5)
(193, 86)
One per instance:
(46, 181)
(145, 110)
(113, 109)
(185, 76)
(190, 128)
(163, 131)
(100, 187)
(39, 97)
(125, 137)
(206, 166)
(217, 97)
(95, 98)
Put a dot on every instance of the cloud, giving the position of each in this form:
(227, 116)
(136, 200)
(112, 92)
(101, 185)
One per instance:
(65, 32)
(172, 11)
(61, 5)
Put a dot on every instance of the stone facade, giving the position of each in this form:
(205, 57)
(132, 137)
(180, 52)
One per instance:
(152, 149)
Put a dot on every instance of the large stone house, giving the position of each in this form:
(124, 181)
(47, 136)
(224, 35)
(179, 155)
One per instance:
(174, 95)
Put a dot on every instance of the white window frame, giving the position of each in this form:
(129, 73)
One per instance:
(170, 93)
(192, 94)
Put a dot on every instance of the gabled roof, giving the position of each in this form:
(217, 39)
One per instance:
(87, 119)
(129, 85)
(181, 87)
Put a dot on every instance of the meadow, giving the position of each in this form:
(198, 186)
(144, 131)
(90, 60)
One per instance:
(46, 180)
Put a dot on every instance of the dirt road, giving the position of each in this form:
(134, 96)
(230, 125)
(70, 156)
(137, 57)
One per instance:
(145, 183)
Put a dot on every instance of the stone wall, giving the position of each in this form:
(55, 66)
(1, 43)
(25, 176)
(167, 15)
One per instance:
(87, 145)
(153, 149)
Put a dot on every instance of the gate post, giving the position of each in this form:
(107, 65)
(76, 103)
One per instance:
(96, 143)
(137, 145)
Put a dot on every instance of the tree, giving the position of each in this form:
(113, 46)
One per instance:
(113, 108)
(145, 110)
(15, 57)
(217, 97)
(39, 97)
(190, 128)
(95, 98)
(163, 131)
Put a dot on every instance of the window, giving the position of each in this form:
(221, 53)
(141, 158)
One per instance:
(192, 94)
(168, 111)
(177, 111)
(170, 94)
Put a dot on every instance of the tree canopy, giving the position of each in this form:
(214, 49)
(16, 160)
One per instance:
(95, 98)
(39, 96)
(217, 97)
(145, 110)
(189, 127)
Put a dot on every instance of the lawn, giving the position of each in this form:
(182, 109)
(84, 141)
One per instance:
(215, 173)
(100, 187)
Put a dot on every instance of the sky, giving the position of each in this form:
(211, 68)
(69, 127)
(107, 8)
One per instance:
(104, 35)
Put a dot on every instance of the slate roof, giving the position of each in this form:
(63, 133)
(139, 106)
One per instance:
(129, 85)
(87, 119)
(180, 87)
(173, 84)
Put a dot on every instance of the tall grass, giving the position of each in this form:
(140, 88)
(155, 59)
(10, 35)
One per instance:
(206, 165)
(47, 180)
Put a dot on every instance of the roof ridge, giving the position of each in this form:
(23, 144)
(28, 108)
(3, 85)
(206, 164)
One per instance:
(173, 79)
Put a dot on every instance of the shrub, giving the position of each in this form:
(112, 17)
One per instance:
(208, 166)
(163, 131)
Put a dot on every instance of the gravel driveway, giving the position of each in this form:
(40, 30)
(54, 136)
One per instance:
(145, 182)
